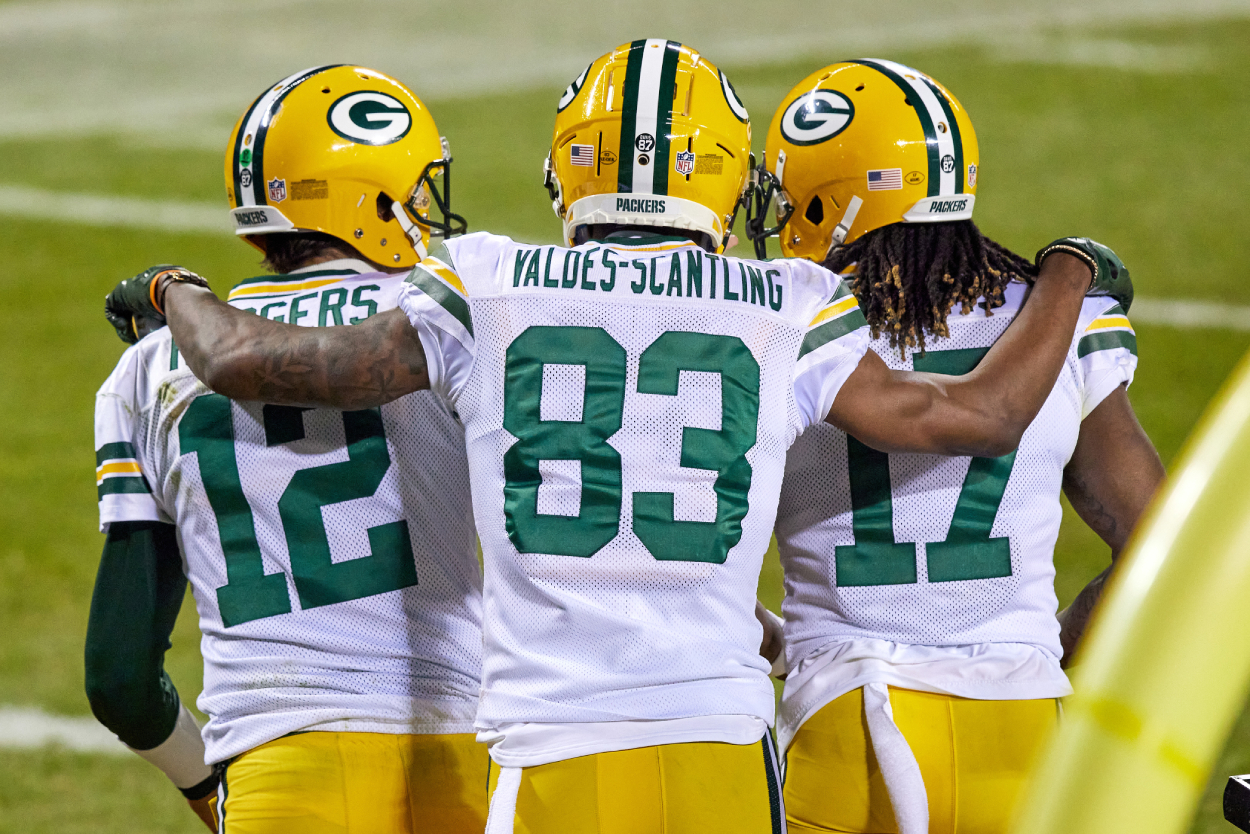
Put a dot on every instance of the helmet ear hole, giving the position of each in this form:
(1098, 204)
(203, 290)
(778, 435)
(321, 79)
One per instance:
(385, 214)
(815, 213)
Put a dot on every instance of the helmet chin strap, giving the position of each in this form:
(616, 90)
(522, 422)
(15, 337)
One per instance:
(845, 224)
(847, 221)
(411, 229)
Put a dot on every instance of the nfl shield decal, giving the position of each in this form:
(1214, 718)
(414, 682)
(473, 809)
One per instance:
(277, 190)
(685, 163)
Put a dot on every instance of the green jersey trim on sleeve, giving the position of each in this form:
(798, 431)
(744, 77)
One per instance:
(426, 277)
(1106, 340)
(122, 484)
(839, 317)
(118, 471)
(121, 450)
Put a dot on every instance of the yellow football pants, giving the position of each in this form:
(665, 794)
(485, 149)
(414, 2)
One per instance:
(667, 789)
(974, 757)
(344, 783)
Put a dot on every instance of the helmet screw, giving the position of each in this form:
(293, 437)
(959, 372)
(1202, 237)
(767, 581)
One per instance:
(360, 233)
(397, 257)
(383, 241)
(795, 240)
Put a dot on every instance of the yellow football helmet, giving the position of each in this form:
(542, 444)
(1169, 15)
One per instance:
(859, 145)
(650, 134)
(346, 151)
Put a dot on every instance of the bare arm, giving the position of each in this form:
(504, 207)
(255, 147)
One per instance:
(247, 357)
(774, 642)
(1113, 474)
(982, 413)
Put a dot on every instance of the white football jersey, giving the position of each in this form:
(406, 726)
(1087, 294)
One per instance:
(331, 554)
(627, 412)
(931, 551)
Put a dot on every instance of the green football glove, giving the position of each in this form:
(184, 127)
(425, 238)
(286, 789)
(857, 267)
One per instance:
(1111, 276)
(132, 305)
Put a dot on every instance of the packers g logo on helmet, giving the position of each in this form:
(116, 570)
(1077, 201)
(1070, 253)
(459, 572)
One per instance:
(816, 116)
(289, 170)
(573, 89)
(731, 98)
(860, 145)
(370, 118)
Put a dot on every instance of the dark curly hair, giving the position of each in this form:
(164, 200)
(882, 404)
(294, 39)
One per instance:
(908, 276)
(288, 251)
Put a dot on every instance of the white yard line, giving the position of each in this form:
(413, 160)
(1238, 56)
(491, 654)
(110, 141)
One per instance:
(1190, 315)
(27, 728)
(104, 210)
(171, 216)
(180, 73)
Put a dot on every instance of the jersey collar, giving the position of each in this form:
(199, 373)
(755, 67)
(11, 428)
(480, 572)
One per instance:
(626, 238)
(339, 265)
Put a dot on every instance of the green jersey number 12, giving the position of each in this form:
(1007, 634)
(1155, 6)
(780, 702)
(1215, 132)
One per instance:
(207, 429)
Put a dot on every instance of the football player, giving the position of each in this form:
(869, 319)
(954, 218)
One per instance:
(628, 400)
(332, 555)
(922, 643)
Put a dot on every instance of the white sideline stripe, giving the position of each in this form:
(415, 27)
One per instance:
(104, 210)
(178, 74)
(27, 728)
(1190, 315)
(171, 216)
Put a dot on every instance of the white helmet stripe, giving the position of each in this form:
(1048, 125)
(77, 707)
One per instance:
(251, 185)
(647, 107)
(937, 115)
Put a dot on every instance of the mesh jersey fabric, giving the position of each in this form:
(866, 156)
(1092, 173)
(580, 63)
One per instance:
(990, 582)
(612, 394)
(332, 554)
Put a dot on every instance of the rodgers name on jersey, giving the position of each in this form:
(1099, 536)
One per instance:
(331, 554)
(929, 551)
(628, 405)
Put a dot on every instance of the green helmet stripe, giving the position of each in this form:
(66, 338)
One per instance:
(629, 118)
(647, 116)
(248, 143)
(235, 163)
(926, 123)
(956, 137)
(262, 129)
(664, 116)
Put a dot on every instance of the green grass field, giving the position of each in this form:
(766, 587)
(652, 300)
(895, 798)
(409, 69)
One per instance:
(1152, 163)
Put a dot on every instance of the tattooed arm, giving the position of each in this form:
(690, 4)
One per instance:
(1113, 474)
(246, 357)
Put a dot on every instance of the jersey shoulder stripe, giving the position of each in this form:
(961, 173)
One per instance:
(840, 316)
(118, 470)
(1110, 330)
(441, 284)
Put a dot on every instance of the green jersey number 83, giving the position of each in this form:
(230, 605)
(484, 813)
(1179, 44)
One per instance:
(659, 369)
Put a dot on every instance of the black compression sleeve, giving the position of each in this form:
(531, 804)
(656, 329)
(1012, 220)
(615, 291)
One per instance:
(138, 593)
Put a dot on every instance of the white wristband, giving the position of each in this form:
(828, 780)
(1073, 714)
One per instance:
(181, 756)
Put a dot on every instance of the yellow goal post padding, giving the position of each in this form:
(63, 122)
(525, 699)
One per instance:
(1166, 665)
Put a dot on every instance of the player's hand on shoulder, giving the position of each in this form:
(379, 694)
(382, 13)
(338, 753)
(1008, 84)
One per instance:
(1111, 276)
(133, 306)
